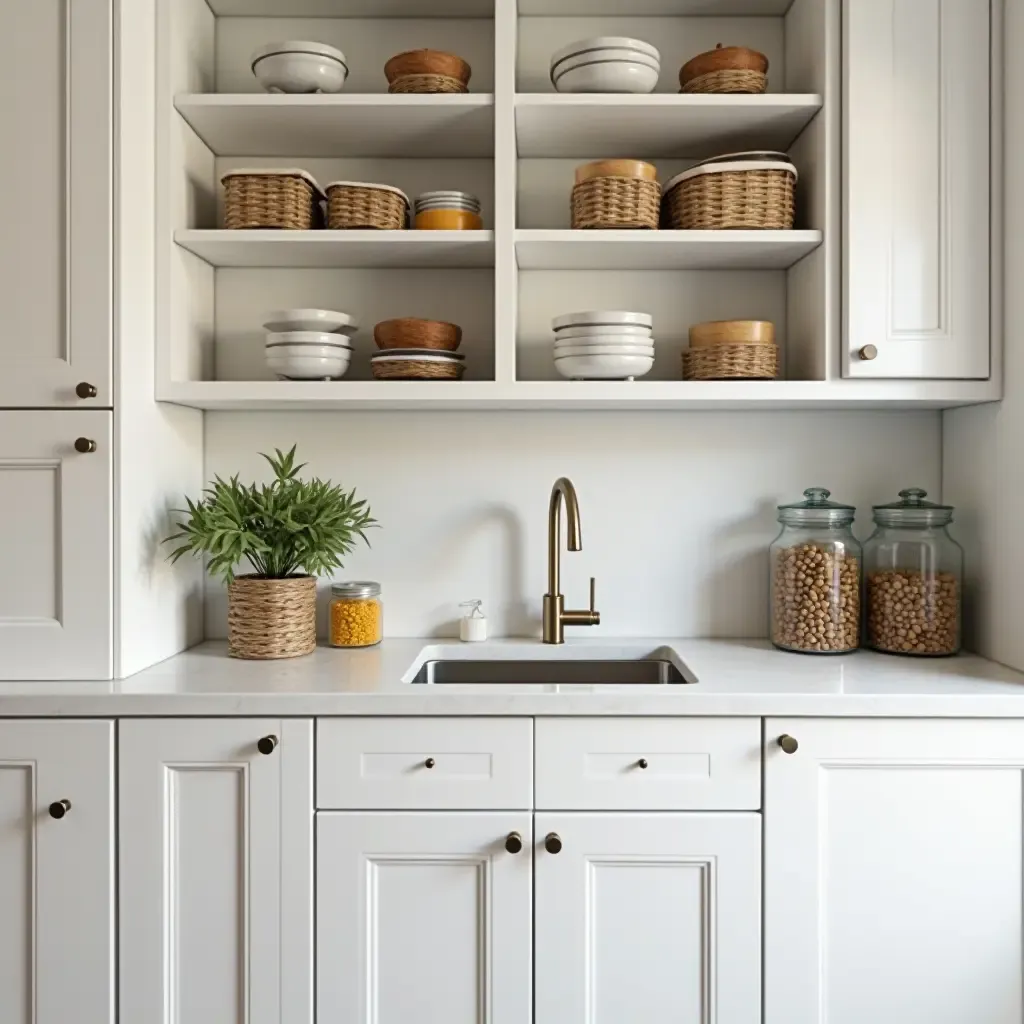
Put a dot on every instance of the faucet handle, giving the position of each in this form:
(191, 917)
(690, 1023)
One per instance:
(593, 594)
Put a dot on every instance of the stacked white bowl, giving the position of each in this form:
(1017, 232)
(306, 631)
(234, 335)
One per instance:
(299, 66)
(309, 344)
(604, 344)
(606, 64)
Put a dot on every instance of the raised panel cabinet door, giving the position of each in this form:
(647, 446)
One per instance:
(216, 871)
(424, 917)
(55, 545)
(648, 917)
(57, 872)
(56, 202)
(893, 871)
(917, 172)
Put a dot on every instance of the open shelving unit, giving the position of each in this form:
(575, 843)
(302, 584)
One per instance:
(514, 142)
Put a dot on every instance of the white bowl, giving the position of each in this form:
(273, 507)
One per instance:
(602, 317)
(294, 72)
(636, 331)
(321, 351)
(604, 367)
(610, 76)
(307, 338)
(580, 60)
(604, 43)
(303, 367)
(282, 320)
(605, 350)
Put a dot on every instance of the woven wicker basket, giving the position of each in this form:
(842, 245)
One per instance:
(352, 205)
(728, 80)
(416, 369)
(613, 202)
(427, 83)
(289, 199)
(731, 362)
(271, 618)
(733, 194)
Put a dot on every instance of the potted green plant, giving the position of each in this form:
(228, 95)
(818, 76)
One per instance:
(290, 531)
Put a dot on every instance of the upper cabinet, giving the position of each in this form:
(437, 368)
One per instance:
(55, 204)
(917, 188)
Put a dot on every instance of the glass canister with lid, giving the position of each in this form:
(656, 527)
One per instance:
(356, 614)
(914, 573)
(815, 577)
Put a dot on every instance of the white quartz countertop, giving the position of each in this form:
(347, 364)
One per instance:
(734, 677)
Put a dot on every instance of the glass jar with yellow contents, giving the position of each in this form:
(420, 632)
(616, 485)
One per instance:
(357, 615)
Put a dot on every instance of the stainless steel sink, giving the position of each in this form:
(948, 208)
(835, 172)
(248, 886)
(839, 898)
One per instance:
(558, 672)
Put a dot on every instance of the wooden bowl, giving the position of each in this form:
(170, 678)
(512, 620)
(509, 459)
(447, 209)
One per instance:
(411, 332)
(723, 58)
(732, 332)
(616, 169)
(427, 62)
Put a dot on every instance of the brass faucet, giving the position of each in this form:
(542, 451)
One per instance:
(555, 615)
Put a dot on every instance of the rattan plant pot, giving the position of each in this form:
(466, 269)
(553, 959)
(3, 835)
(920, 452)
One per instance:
(729, 80)
(731, 195)
(288, 199)
(427, 83)
(269, 618)
(614, 202)
(416, 369)
(352, 205)
(731, 362)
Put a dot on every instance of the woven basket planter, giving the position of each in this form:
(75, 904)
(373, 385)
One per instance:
(290, 200)
(733, 194)
(427, 83)
(613, 202)
(271, 618)
(731, 362)
(729, 80)
(416, 369)
(352, 205)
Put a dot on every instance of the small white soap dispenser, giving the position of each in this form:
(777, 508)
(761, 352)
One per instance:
(473, 626)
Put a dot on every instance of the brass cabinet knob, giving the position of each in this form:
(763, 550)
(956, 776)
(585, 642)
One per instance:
(429, 763)
(868, 352)
(788, 744)
(86, 390)
(84, 445)
(59, 808)
(514, 842)
(553, 842)
(642, 763)
(267, 745)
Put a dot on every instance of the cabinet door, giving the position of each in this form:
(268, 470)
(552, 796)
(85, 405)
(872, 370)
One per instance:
(423, 917)
(55, 546)
(917, 187)
(56, 874)
(893, 854)
(55, 202)
(648, 917)
(216, 874)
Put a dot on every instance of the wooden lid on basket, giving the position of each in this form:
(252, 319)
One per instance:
(732, 332)
(272, 172)
(723, 58)
(616, 169)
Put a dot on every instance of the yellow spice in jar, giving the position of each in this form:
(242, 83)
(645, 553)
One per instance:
(355, 623)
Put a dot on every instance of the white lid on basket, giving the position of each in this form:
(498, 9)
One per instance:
(734, 165)
(284, 172)
(368, 184)
(604, 43)
(298, 46)
(597, 317)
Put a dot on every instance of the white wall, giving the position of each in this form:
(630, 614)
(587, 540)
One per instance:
(677, 509)
(983, 447)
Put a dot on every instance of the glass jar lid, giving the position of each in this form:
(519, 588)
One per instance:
(912, 510)
(355, 589)
(816, 510)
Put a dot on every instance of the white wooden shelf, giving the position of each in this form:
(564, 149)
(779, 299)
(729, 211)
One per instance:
(663, 250)
(344, 125)
(631, 8)
(690, 126)
(352, 249)
(374, 8)
(568, 395)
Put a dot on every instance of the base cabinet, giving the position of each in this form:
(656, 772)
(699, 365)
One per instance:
(893, 872)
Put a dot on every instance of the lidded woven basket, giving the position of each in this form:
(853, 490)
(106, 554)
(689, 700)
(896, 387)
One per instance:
(287, 198)
(725, 69)
(731, 350)
(616, 194)
(352, 205)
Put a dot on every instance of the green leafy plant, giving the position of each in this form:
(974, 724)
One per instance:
(283, 528)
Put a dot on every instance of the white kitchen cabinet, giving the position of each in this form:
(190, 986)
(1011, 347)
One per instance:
(57, 872)
(424, 917)
(917, 188)
(648, 917)
(56, 551)
(55, 202)
(893, 872)
(216, 881)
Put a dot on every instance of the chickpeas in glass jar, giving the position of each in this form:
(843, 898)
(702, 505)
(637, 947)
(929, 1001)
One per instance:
(356, 614)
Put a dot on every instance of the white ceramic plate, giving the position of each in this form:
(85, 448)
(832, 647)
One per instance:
(432, 357)
(604, 350)
(602, 317)
(611, 76)
(604, 367)
(636, 331)
(281, 321)
(324, 351)
(300, 73)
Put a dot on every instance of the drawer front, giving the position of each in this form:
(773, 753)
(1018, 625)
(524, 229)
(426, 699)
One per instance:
(648, 764)
(424, 764)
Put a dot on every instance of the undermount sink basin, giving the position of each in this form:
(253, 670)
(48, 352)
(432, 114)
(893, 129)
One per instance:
(651, 670)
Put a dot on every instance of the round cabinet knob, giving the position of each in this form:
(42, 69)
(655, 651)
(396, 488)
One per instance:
(553, 842)
(267, 745)
(59, 808)
(642, 763)
(867, 353)
(429, 763)
(86, 390)
(514, 842)
(84, 445)
(788, 744)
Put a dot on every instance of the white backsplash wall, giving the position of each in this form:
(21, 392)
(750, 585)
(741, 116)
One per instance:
(677, 509)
